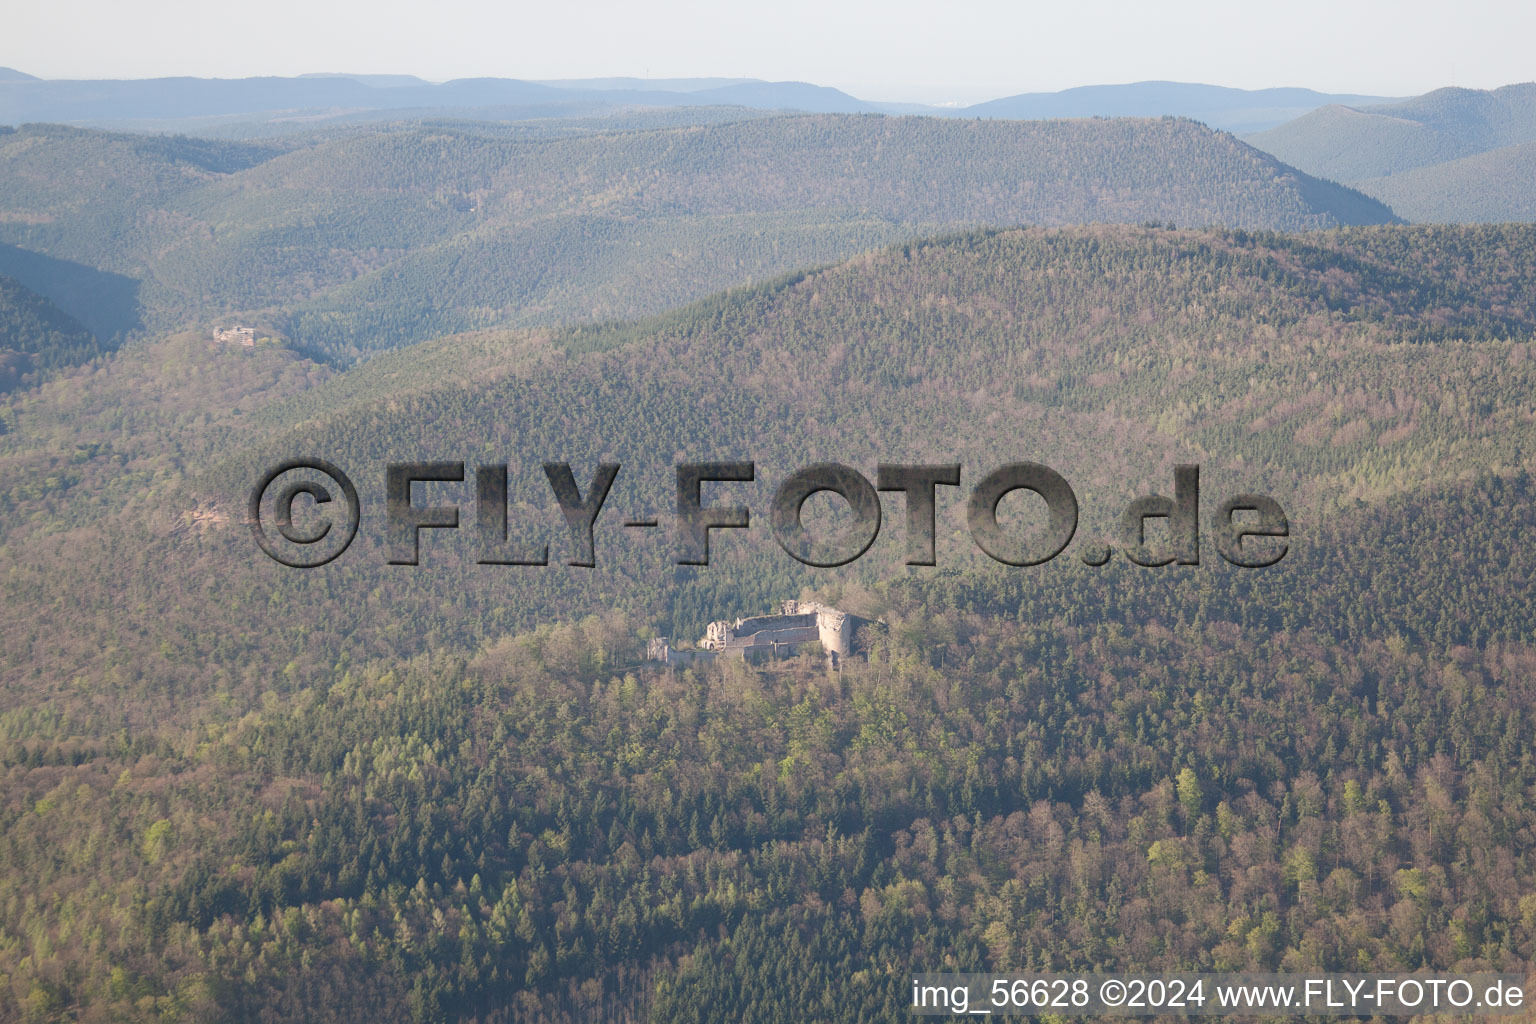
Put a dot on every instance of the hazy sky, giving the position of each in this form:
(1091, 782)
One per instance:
(934, 51)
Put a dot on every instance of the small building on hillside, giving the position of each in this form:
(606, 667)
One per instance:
(767, 637)
(236, 335)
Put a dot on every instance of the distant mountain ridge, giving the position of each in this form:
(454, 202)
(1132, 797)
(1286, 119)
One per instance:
(367, 240)
(374, 81)
(116, 103)
(1483, 188)
(1220, 107)
(1448, 155)
(106, 102)
(648, 84)
(1352, 143)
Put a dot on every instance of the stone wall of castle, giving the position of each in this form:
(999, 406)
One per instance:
(769, 636)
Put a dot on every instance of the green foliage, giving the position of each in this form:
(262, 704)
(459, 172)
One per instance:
(361, 241)
(521, 836)
(240, 792)
(1337, 372)
(36, 336)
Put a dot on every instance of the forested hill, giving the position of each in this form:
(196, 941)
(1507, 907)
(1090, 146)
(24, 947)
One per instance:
(36, 335)
(371, 239)
(1449, 156)
(1236, 110)
(240, 792)
(1493, 187)
(1325, 369)
(1351, 144)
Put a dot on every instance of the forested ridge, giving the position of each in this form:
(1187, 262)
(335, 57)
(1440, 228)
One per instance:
(454, 792)
(1449, 156)
(541, 829)
(1483, 188)
(1324, 370)
(357, 241)
(36, 336)
(1346, 143)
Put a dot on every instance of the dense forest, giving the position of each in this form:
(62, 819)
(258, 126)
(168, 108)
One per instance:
(540, 829)
(235, 791)
(37, 336)
(1483, 188)
(357, 241)
(1324, 370)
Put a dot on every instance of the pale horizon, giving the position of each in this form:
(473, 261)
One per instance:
(895, 52)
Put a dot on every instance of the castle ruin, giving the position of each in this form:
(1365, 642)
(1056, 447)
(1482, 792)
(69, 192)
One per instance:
(768, 637)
